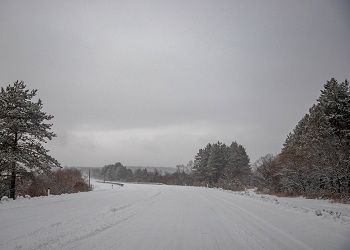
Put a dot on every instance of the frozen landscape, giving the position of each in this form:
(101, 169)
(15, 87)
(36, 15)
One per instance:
(183, 102)
(142, 216)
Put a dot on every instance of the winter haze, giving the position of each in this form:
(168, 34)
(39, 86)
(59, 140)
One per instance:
(151, 82)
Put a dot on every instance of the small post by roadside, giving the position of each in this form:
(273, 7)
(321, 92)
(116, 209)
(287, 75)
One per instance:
(48, 191)
(89, 180)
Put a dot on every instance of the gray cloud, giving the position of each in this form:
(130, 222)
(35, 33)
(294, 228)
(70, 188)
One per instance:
(150, 82)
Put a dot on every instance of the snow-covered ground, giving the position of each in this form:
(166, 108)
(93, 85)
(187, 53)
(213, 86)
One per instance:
(143, 216)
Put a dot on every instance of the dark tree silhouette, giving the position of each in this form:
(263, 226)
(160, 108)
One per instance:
(24, 128)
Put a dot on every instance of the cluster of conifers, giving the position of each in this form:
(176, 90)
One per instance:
(315, 159)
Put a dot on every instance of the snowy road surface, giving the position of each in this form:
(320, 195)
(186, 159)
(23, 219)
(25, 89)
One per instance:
(140, 216)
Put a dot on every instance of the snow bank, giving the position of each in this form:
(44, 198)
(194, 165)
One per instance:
(328, 210)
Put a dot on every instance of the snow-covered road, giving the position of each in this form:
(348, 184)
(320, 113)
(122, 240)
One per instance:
(140, 216)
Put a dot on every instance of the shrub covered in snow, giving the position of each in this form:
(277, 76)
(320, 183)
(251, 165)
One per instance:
(68, 180)
(318, 212)
(4, 198)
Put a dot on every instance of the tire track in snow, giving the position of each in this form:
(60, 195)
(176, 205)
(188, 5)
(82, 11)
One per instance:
(78, 227)
(165, 217)
(251, 219)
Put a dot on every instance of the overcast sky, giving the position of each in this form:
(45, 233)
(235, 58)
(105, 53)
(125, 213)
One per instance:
(151, 82)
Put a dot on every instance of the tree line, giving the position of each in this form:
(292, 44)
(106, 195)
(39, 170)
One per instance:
(118, 172)
(216, 165)
(315, 158)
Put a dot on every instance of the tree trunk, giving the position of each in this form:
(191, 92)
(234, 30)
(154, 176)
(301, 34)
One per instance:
(339, 185)
(13, 182)
(13, 174)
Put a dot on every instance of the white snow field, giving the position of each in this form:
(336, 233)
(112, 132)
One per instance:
(142, 216)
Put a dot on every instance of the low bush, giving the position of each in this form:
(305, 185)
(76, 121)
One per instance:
(67, 180)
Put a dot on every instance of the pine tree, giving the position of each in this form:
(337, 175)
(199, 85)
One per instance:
(216, 163)
(294, 158)
(238, 163)
(335, 103)
(201, 162)
(23, 130)
(222, 166)
(315, 158)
